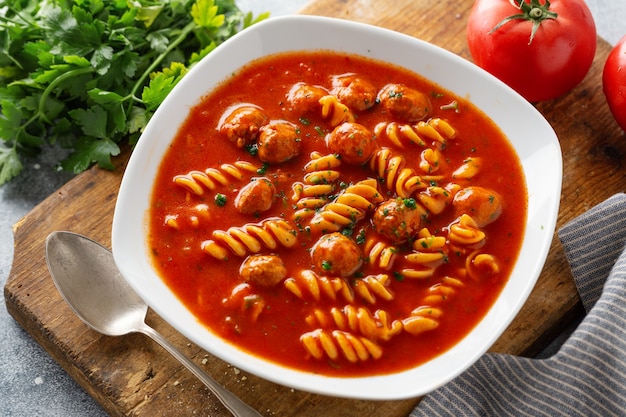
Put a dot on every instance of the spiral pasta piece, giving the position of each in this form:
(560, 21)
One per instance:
(435, 198)
(373, 286)
(250, 238)
(391, 170)
(357, 320)
(193, 217)
(379, 253)
(308, 284)
(465, 232)
(478, 264)
(196, 182)
(431, 160)
(398, 133)
(250, 303)
(441, 291)
(348, 208)
(469, 169)
(422, 319)
(335, 111)
(436, 130)
(337, 343)
(429, 252)
(426, 316)
(320, 176)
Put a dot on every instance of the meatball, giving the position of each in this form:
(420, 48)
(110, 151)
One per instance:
(263, 270)
(354, 92)
(241, 123)
(399, 219)
(255, 197)
(306, 98)
(279, 141)
(336, 254)
(353, 142)
(404, 103)
(481, 204)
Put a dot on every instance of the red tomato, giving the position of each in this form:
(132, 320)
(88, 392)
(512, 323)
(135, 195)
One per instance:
(540, 50)
(614, 82)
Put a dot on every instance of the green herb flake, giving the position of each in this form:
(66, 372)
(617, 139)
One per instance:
(410, 203)
(220, 200)
(263, 169)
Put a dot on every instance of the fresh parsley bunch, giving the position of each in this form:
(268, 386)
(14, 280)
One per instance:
(88, 74)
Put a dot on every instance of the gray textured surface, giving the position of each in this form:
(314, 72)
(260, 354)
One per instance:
(31, 383)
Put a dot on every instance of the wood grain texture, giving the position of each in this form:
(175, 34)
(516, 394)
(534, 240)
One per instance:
(132, 376)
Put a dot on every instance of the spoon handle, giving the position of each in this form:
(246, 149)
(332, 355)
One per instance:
(233, 403)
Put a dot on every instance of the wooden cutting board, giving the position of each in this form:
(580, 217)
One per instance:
(131, 375)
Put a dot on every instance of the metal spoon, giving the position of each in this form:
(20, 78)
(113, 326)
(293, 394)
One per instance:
(86, 276)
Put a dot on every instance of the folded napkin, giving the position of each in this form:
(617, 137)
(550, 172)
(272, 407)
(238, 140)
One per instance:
(587, 376)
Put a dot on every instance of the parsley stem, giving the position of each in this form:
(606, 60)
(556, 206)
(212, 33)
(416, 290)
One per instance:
(18, 14)
(54, 83)
(181, 37)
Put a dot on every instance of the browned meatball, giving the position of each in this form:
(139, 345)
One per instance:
(255, 197)
(404, 103)
(241, 124)
(398, 219)
(279, 141)
(481, 204)
(354, 91)
(263, 270)
(306, 98)
(353, 142)
(336, 254)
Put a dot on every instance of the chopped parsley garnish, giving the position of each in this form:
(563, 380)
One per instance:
(263, 169)
(410, 203)
(252, 149)
(327, 265)
(220, 200)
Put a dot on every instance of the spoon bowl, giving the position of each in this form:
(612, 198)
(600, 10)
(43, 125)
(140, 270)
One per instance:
(85, 274)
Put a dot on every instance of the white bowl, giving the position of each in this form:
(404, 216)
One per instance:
(532, 137)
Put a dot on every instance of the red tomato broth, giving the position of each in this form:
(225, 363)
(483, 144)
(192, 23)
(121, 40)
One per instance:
(203, 283)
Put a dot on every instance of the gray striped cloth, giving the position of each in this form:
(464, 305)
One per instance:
(587, 376)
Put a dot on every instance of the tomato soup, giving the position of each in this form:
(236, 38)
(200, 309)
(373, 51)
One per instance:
(336, 214)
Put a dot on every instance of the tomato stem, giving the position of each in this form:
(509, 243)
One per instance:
(532, 11)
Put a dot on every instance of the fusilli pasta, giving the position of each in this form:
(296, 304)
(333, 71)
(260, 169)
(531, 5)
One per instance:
(357, 320)
(436, 130)
(348, 208)
(379, 253)
(337, 343)
(335, 111)
(426, 316)
(391, 170)
(372, 286)
(197, 181)
(309, 285)
(478, 264)
(469, 169)
(247, 300)
(250, 238)
(193, 218)
(422, 319)
(320, 176)
(435, 198)
(466, 233)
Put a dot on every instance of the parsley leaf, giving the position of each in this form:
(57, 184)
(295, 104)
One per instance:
(88, 75)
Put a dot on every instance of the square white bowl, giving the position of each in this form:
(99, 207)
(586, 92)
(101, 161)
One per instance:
(530, 134)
